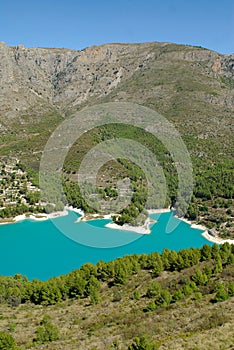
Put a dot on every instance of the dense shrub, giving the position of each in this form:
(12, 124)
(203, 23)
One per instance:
(7, 342)
(47, 331)
(143, 343)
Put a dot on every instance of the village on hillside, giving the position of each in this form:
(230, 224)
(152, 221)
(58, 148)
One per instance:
(18, 194)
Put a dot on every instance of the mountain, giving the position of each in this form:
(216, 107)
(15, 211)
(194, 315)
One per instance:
(39, 81)
(191, 86)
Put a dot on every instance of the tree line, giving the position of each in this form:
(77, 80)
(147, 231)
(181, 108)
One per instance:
(86, 281)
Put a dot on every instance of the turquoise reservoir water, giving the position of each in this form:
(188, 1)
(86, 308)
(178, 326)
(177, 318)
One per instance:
(41, 250)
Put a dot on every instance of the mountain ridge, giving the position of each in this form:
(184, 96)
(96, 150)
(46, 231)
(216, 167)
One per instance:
(48, 77)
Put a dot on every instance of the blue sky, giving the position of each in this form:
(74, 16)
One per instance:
(77, 24)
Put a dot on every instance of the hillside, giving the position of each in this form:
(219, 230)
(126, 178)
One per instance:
(191, 86)
(174, 300)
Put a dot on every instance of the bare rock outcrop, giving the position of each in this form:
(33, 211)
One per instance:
(37, 81)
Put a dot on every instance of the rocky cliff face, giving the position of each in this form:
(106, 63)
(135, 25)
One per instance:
(41, 79)
(35, 81)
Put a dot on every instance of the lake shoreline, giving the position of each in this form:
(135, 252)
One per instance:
(34, 217)
(206, 234)
(143, 229)
(217, 240)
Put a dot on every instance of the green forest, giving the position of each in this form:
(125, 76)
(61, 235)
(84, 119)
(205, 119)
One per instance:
(211, 203)
(212, 200)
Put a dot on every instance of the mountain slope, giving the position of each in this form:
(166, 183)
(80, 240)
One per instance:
(41, 79)
(191, 86)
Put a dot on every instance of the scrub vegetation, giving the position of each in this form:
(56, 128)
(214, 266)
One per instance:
(155, 299)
